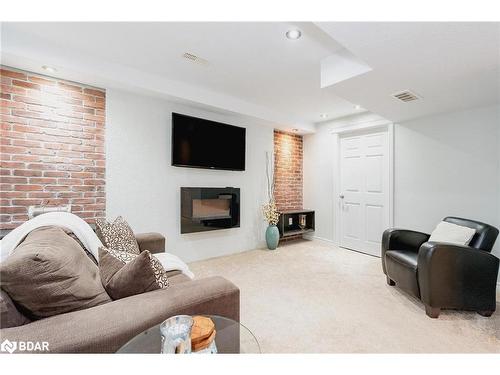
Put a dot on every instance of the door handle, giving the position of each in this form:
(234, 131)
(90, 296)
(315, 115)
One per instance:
(341, 196)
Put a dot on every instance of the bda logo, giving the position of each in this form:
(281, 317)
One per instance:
(8, 346)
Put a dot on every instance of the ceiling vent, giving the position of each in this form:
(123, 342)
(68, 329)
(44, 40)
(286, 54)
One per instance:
(406, 96)
(195, 59)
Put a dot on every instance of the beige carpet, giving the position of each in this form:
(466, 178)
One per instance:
(309, 296)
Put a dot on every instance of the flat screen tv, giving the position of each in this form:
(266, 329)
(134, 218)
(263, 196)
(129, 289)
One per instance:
(199, 143)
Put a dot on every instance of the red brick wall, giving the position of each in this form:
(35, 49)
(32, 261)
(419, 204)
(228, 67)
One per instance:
(288, 170)
(52, 146)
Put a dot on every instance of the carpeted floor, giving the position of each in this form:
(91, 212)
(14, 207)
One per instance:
(308, 296)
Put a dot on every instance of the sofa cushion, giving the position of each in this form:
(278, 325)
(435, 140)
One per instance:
(117, 235)
(124, 274)
(49, 274)
(9, 314)
(176, 277)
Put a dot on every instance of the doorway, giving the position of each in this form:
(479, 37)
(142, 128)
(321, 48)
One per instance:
(364, 188)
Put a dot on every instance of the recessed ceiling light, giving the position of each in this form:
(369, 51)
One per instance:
(295, 130)
(357, 107)
(293, 34)
(49, 69)
(323, 115)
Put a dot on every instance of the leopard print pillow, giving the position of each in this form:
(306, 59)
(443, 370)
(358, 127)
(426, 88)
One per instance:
(157, 268)
(117, 235)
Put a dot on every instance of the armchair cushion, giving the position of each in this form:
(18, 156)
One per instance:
(407, 258)
(402, 267)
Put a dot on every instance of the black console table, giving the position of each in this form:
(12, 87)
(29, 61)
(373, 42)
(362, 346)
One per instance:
(295, 222)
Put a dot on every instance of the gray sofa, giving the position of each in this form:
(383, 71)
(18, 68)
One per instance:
(105, 328)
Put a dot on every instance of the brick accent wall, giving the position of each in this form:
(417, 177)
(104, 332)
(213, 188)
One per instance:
(52, 146)
(288, 170)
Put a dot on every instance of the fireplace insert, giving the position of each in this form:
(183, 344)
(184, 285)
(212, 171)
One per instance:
(204, 209)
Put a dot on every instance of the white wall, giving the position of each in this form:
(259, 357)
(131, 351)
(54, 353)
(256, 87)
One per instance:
(142, 186)
(444, 165)
(318, 179)
(448, 165)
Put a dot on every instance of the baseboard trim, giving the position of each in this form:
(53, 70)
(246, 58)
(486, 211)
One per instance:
(309, 237)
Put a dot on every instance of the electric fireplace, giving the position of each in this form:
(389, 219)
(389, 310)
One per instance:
(204, 209)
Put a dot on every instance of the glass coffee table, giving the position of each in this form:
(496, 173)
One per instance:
(231, 337)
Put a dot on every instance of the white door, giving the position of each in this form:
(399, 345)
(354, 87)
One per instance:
(364, 190)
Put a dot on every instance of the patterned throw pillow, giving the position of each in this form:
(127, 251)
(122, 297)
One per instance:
(124, 274)
(117, 235)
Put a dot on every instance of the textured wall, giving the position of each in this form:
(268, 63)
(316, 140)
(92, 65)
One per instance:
(52, 146)
(288, 170)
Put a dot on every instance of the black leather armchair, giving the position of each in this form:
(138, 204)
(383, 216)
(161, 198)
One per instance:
(442, 275)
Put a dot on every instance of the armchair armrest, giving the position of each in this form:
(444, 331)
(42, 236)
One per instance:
(401, 239)
(154, 242)
(456, 276)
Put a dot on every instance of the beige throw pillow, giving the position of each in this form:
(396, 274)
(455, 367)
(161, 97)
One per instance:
(49, 274)
(117, 235)
(124, 274)
(452, 233)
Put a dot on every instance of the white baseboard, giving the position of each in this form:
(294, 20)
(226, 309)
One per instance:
(310, 237)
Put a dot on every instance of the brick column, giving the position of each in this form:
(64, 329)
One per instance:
(288, 171)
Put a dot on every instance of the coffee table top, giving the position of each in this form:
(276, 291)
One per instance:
(231, 337)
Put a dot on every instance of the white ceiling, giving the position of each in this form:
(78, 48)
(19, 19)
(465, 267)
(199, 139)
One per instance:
(255, 71)
(252, 62)
(452, 66)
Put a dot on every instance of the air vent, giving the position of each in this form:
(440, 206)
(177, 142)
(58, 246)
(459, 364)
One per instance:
(406, 96)
(195, 59)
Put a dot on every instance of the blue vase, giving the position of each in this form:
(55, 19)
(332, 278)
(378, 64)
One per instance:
(272, 237)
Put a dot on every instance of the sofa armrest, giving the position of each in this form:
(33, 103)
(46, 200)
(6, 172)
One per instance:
(453, 276)
(105, 328)
(154, 242)
(401, 239)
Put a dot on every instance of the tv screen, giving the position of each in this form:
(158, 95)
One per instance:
(200, 143)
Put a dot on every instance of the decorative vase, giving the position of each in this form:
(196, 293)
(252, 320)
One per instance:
(272, 237)
(176, 335)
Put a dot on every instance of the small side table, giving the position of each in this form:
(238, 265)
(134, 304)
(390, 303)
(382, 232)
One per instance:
(290, 222)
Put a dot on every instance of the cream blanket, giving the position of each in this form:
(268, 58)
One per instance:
(84, 233)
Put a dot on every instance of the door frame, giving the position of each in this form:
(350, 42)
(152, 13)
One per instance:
(353, 130)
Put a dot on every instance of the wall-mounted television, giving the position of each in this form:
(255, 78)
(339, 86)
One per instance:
(200, 143)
